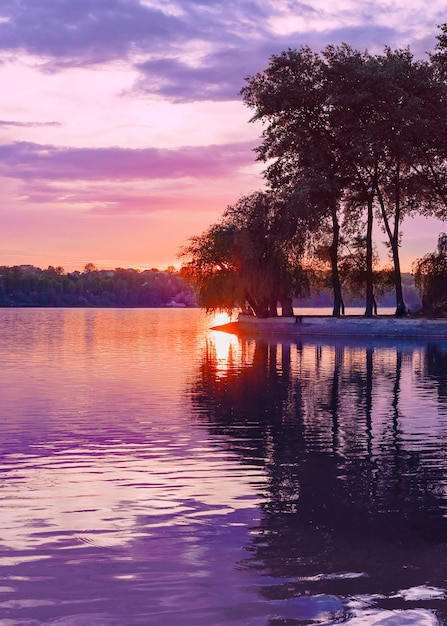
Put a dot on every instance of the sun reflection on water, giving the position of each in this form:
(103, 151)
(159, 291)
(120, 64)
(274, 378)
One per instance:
(223, 348)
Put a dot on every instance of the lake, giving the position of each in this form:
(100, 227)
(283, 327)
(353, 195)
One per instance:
(154, 472)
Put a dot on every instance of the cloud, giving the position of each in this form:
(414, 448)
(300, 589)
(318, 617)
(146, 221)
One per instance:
(10, 124)
(143, 205)
(85, 32)
(199, 51)
(114, 72)
(33, 161)
(190, 50)
(218, 77)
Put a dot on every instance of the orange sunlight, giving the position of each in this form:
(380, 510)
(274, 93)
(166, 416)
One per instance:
(224, 346)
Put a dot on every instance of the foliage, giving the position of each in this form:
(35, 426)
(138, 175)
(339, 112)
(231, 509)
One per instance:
(252, 256)
(32, 286)
(213, 269)
(430, 275)
(362, 134)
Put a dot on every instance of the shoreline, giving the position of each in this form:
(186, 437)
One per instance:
(348, 326)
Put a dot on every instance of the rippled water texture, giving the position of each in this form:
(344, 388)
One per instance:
(154, 472)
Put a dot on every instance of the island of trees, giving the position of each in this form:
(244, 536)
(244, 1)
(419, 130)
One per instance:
(350, 140)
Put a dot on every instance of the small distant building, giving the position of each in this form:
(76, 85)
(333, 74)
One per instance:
(30, 268)
(176, 305)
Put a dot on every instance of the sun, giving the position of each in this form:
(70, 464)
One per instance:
(219, 319)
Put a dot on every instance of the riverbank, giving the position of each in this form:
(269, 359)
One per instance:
(348, 326)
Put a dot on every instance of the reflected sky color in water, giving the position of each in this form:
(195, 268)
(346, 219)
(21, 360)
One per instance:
(156, 472)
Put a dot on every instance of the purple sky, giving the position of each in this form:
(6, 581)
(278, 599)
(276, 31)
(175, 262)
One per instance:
(121, 129)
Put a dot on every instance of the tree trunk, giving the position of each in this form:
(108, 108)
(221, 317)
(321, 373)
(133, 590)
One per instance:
(273, 307)
(264, 310)
(401, 309)
(393, 238)
(286, 306)
(260, 309)
(369, 311)
(336, 285)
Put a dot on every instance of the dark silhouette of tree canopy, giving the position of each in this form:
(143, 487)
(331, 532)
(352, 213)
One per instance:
(290, 98)
(430, 275)
(252, 256)
(364, 125)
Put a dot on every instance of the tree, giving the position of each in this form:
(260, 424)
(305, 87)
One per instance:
(400, 126)
(313, 110)
(352, 91)
(430, 275)
(290, 99)
(250, 256)
(212, 270)
(361, 123)
(53, 272)
(431, 171)
(413, 129)
(89, 268)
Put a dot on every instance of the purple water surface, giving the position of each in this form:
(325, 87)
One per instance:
(155, 472)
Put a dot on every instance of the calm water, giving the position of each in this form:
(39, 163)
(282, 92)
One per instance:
(154, 472)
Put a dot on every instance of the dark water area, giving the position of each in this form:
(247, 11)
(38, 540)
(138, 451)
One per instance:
(154, 472)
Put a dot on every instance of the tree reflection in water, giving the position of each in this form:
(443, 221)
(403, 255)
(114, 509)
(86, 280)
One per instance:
(352, 437)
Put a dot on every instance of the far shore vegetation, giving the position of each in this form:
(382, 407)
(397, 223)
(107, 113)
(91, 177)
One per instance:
(350, 140)
(30, 286)
(26, 285)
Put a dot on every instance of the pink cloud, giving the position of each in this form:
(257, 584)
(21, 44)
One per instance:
(28, 161)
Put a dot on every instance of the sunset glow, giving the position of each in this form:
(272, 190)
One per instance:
(122, 131)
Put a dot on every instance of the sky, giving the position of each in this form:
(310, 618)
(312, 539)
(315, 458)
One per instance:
(122, 131)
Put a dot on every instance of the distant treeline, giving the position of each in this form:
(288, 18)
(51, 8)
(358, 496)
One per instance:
(26, 285)
(324, 297)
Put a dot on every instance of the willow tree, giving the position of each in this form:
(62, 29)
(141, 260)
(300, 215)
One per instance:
(250, 257)
(212, 269)
(430, 274)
